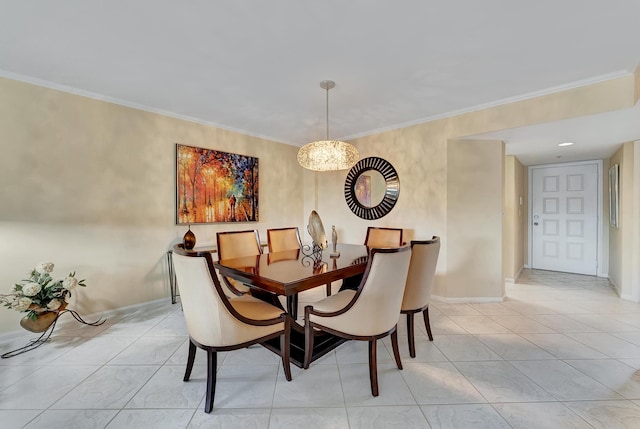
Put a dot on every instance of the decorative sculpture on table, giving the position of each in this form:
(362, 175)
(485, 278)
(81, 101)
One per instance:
(334, 242)
(318, 237)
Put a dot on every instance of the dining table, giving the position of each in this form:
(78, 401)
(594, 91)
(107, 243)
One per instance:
(290, 272)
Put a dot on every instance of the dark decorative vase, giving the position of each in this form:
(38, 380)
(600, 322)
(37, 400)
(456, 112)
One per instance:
(189, 239)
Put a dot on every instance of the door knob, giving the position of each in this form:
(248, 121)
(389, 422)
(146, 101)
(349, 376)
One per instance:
(535, 223)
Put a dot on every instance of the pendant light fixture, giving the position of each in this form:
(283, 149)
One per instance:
(328, 155)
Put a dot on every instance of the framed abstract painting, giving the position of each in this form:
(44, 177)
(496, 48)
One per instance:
(214, 186)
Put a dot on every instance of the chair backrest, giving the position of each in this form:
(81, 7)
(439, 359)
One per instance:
(236, 244)
(280, 239)
(376, 305)
(422, 270)
(383, 237)
(211, 318)
(208, 320)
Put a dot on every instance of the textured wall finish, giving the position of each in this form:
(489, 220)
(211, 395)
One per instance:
(622, 245)
(419, 154)
(90, 186)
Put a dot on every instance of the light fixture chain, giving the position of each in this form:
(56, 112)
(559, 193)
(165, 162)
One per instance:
(327, 113)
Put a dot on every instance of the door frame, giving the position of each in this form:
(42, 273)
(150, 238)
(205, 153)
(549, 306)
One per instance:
(600, 269)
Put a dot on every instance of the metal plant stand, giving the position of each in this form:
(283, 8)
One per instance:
(33, 344)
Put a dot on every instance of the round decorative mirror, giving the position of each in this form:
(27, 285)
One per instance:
(371, 188)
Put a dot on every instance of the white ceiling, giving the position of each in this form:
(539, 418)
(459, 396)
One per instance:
(255, 66)
(594, 137)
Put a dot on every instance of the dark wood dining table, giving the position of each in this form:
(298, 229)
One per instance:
(290, 272)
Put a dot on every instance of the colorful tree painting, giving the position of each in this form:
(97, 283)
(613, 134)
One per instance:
(214, 186)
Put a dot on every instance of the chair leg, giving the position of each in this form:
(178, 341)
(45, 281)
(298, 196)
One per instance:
(285, 349)
(308, 342)
(411, 335)
(396, 349)
(328, 289)
(292, 306)
(190, 360)
(373, 367)
(427, 325)
(212, 366)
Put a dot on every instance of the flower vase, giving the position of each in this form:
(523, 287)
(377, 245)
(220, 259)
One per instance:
(43, 320)
(189, 239)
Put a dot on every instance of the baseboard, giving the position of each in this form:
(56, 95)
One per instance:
(626, 297)
(518, 274)
(90, 317)
(515, 278)
(615, 287)
(467, 300)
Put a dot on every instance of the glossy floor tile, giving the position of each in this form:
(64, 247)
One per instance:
(562, 351)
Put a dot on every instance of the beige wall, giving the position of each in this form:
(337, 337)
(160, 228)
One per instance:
(419, 154)
(475, 179)
(515, 216)
(90, 186)
(637, 85)
(634, 251)
(623, 243)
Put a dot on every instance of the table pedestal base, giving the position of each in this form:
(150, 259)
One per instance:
(323, 343)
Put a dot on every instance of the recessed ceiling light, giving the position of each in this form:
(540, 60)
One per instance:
(565, 144)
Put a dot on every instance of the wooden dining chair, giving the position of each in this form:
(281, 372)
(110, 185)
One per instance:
(366, 314)
(281, 239)
(417, 292)
(383, 237)
(380, 238)
(217, 323)
(237, 244)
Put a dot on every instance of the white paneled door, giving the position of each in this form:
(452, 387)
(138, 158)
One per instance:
(564, 218)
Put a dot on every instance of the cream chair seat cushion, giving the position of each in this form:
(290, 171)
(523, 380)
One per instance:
(255, 308)
(333, 303)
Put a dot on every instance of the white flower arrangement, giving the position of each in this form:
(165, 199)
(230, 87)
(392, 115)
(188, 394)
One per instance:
(40, 292)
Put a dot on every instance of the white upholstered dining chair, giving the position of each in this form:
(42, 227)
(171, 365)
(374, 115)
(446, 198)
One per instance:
(417, 292)
(217, 323)
(376, 237)
(366, 314)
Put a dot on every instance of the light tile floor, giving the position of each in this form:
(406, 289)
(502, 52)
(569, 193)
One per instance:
(562, 351)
